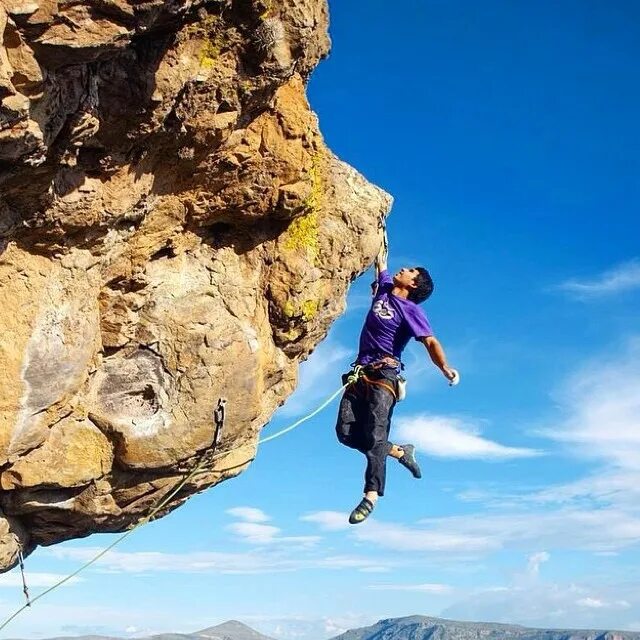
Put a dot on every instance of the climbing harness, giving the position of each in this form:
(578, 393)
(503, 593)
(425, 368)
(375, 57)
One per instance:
(219, 415)
(398, 393)
(379, 383)
(25, 589)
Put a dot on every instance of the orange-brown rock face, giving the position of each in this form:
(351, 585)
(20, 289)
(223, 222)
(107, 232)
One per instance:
(172, 230)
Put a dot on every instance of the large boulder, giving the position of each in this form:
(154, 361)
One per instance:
(173, 230)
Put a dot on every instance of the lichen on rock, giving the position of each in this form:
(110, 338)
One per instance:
(173, 230)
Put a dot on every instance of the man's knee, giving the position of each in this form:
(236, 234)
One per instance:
(345, 436)
(377, 445)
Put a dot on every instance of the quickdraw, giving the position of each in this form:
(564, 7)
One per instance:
(219, 415)
(25, 588)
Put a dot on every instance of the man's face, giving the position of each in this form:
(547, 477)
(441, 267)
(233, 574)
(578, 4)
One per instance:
(406, 277)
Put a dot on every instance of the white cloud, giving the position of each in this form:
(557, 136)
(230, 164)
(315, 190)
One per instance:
(401, 537)
(565, 529)
(534, 562)
(482, 533)
(328, 520)
(261, 534)
(556, 605)
(450, 437)
(254, 533)
(248, 514)
(14, 579)
(77, 616)
(592, 603)
(308, 628)
(620, 488)
(601, 403)
(252, 529)
(624, 277)
(215, 562)
(434, 588)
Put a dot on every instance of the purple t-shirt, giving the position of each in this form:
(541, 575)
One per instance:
(390, 323)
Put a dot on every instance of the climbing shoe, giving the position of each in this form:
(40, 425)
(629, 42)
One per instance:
(361, 512)
(409, 460)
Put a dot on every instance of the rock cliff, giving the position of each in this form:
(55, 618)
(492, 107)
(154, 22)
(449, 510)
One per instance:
(172, 230)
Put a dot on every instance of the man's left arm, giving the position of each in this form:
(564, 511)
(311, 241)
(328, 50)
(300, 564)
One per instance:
(381, 263)
(438, 356)
(383, 255)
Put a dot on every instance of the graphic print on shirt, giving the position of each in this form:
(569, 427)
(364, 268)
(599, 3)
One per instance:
(382, 309)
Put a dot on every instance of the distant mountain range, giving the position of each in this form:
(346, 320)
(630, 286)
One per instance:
(230, 630)
(410, 628)
(424, 628)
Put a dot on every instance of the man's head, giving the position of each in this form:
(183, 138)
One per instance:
(417, 281)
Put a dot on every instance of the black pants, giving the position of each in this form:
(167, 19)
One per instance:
(364, 419)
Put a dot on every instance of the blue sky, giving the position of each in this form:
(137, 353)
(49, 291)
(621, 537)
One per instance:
(508, 134)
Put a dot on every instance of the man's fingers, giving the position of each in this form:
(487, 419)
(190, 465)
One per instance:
(454, 377)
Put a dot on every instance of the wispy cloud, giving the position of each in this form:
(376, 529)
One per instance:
(253, 530)
(553, 604)
(248, 514)
(76, 616)
(480, 534)
(328, 520)
(307, 628)
(534, 562)
(601, 406)
(14, 579)
(261, 534)
(434, 588)
(624, 277)
(217, 562)
(403, 538)
(620, 488)
(451, 437)
(562, 529)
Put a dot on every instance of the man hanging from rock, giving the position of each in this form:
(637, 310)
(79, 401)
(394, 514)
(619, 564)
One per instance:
(366, 407)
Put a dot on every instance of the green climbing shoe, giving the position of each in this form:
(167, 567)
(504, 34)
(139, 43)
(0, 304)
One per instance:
(409, 461)
(361, 512)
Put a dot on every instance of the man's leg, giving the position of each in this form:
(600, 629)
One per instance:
(379, 407)
(379, 411)
(350, 417)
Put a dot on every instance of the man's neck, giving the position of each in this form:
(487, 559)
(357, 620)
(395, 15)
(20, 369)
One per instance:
(401, 292)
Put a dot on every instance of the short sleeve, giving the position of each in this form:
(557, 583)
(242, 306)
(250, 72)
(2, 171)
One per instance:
(418, 323)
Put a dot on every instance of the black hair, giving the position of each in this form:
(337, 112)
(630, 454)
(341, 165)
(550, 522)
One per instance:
(424, 286)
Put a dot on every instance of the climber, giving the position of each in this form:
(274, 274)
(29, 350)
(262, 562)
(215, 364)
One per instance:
(364, 417)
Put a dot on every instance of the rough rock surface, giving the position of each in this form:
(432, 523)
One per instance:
(172, 230)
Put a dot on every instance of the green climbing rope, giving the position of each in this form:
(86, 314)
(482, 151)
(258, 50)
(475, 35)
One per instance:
(353, 377)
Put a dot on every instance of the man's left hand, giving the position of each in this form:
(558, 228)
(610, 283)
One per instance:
(450, 374)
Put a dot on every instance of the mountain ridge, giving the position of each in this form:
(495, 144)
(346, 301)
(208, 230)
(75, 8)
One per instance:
(429, 628)
(414, 627)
